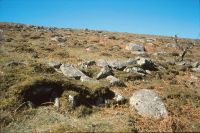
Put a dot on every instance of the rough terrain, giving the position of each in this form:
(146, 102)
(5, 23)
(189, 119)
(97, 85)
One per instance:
(62, 79)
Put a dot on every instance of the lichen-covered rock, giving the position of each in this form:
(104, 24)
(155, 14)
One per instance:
(146, 64)
(105, 71)
(116, 64)
(87, 63)
(91, 48)
(54, 64)
(119, 98)
(135, 47)
(115, 81)
(135, 70)
(88, 79)
(171, 45)
(60, 39)
(72, 101)
(131, 61)
(102, 63)
(71, 71)
(148, 104)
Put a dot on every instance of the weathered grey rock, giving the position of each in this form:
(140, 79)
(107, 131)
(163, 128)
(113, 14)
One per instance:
(91, 48)
(88, 79)
(148, 104)
(85, 64)
(193, 77)
(196, 64)
(170, 62)
(150, 40)
(184, 63)
(119, 98)
(196, 69)
(116, 64)
(115, 81)
(135, 70)
(102, 63)
(105, 71)
(146, 64)
(71, 71)
(135, 47)
(54, 64)
(73, 101)
(56, 102)
(60, 39)
(171, 45)
(161, 53)
(148, 72)
(131, 61)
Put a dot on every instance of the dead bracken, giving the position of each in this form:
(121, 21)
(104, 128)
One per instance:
(61, 79)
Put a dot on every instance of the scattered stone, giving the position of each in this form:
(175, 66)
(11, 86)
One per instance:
(135, 70)
(60, 39)
(91, 48)
(71, 71)
(196, 64)
(119, 98)
(148, 104)
(87, 79)
(171, 62)
(73, 101)
(102, 63)
(146, 64)
(105, 71)
(171, 45)
(115, 81)
(116, 64)
(183, 63)
(115, 48)
(196, 69)
(135, 47)
(150, 40)
(54, 64)
(193, 77)
(148, 72)
(57, 102)
(161, 53)
(85, 64)
(131, 61)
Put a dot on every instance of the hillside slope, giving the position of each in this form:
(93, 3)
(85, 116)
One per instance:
(57, 80)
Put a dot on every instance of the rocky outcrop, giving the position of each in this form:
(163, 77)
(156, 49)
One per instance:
(196, 67)
(71, 71)
(146, 64)
(115, 81)
(85, 64)
(105, 71)
(101, 63)
(148, 104)
(116, 64)
(135, 47)
(135, 70)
